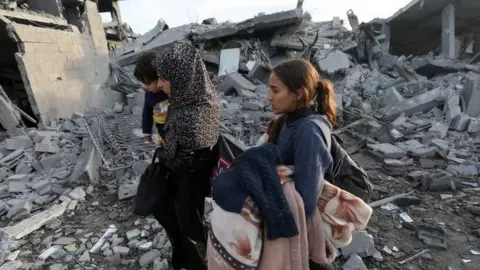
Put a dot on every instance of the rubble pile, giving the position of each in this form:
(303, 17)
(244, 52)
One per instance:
(411, 121)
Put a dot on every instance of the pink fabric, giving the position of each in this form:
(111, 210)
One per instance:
(339, 213)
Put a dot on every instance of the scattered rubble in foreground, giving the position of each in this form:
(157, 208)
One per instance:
(412, 122)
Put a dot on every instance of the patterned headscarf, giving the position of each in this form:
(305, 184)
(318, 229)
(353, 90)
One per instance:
(194, 106)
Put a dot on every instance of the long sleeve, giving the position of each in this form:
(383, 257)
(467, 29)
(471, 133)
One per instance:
(312, 159)
(147, 116)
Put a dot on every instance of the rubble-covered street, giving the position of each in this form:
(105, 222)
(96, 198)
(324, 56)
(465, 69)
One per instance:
(70, 162)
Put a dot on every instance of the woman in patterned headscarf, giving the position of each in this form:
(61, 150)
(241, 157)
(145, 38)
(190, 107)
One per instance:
(192, 129)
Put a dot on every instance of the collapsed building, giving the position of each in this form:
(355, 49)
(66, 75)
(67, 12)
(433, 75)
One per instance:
(407, 112)
(54, 58)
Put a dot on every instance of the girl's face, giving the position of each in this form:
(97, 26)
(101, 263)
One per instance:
(164, 86)
(280, 97)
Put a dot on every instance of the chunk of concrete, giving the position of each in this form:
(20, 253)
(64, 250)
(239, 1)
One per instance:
(473, 125)
(355, 262)
(229, 61)
(453, 108)
(439, 130)
(332, 61)
(460, 123)
(12, 265)
(17, 187)
(35, 222)
(149, 257)
(18, 142)
(49, 162)
(237, 82)
(48, 145)
(471, 94)
(18, 178)
(420, 103)
(362, 244)
(260, 71)
(392, 97)
(20, 210)
(386, 150)
(127, 191)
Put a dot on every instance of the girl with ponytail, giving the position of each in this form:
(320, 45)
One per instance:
(306, 105)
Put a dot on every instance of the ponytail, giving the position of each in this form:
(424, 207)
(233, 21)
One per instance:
(326, 100)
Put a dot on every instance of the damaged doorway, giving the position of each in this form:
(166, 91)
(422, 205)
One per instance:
(10, 76)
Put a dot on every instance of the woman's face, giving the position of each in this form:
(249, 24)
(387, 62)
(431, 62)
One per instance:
(164, 86)
(280, 97)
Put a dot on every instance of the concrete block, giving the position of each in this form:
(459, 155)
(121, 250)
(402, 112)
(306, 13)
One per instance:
(439, 130)
(3, 174)
(149, 257)
(473, 125)
(332, 61)
(237, 82)
(12, 265)
(27, 226)
(448, 31)
(229, 61)
(362, 244)
(51, 161)
(392, 97)
(42, 187)
(127, 191)
(453, 108)
(460, 123)
(18, 178)
(260, 71)
(20, 210)
(39, 136)
(355, 262)
(386, 150)
(48, 145)
(18, 142)
(17, 187)
(252, 105)
(420, 103)
(471, 95)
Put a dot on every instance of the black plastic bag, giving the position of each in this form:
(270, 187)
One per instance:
(153, 186)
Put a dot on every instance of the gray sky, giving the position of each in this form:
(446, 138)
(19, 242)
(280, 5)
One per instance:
(142, 15)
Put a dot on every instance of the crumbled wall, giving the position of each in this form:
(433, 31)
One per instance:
(63, 71)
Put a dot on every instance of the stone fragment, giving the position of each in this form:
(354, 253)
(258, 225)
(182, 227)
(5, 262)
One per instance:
(20, 210)
(149, 257)
(392, 97)
(235, 81)
(133, 234)
(439, 130)
(78, 194)
(18, 142)
(386, 150)
(121, 250)
(12, 265)
(85, 257)
(64, 241)
(355, 263)
(48, 145)
(362, 244)
(332, 61)
(260, 71)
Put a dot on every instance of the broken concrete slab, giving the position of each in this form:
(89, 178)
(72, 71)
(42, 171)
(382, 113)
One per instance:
(332, 61)
(420, 103)
(362, 244)
(386, 150)
(229, 61)
(471, 94)
(48, 145)
(260, 71)
(18, 142)
(35, 222)
(392, 97)
(258, 23)
(237, 82)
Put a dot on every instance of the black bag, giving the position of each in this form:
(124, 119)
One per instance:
(346, 173)
(153, 186)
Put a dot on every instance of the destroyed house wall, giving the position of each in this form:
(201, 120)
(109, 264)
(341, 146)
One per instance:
(63, 71)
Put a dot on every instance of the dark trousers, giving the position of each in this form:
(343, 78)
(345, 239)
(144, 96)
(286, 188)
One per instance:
(181, 213)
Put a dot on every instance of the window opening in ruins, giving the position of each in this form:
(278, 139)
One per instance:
(10, 76)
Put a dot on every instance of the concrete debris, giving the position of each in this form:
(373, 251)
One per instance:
(416, 116)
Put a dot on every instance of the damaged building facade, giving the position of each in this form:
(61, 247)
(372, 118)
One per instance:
(54, 58)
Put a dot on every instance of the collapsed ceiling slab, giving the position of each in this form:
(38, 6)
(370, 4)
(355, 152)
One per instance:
(425, 16)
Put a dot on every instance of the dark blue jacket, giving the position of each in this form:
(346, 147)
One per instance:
(302, 144)
(151, 100)
(255, 176)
